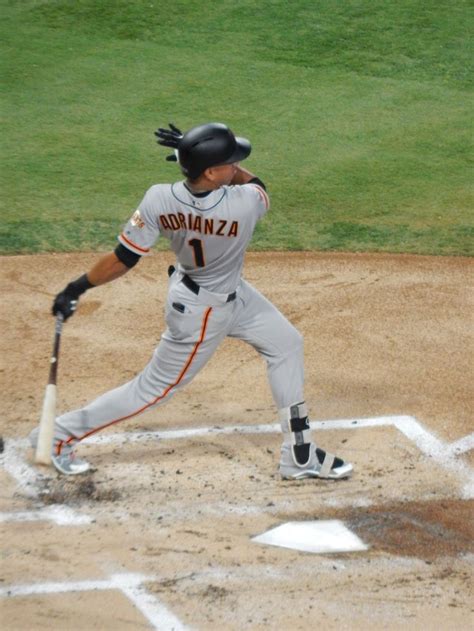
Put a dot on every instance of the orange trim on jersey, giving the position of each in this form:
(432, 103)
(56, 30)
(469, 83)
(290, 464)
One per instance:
(159, 398)
(134, 245)
(263, 195)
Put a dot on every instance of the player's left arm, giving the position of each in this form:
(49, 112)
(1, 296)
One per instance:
(108, 268)
(138, 236)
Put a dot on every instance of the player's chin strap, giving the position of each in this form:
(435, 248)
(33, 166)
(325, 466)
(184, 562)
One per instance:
(296, 431)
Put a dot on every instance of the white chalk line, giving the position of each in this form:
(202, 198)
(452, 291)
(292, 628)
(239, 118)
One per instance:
(267, 428)
(442, 453)
(26, 477)
(153, 609)
(57, 513)
(28, 480)
(131, 585)
(462, 445)
(431, 446)
(445, 455)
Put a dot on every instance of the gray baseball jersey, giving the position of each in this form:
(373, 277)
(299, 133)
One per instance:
(209, 234)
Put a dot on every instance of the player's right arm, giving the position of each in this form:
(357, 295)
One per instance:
(253, 189)
(242, 176)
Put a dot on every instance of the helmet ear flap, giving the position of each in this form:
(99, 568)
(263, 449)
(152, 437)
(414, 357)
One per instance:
(174, 157)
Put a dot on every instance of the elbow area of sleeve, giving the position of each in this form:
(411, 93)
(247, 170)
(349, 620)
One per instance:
(125, 256)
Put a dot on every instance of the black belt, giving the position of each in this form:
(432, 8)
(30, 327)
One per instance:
(193, 286)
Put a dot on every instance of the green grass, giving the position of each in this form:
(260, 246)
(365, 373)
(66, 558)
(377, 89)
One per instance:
(359, 113)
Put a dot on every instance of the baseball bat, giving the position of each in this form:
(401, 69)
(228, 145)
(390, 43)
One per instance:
(48, 413)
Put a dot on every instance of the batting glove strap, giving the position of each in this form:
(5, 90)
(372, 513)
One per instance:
(77, 287)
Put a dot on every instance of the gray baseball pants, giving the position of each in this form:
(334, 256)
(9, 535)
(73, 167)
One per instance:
(196, 325)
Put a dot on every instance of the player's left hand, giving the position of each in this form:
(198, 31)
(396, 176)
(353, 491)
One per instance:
(169, 138)
(65, 303)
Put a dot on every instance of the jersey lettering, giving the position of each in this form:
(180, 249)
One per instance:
(174, 221)
(182, 220)
(233, 229)
(196, 223)
(164, 222)
(222, 223)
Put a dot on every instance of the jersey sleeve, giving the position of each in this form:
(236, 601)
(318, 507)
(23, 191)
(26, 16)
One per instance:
(257, 196)
(141, 231)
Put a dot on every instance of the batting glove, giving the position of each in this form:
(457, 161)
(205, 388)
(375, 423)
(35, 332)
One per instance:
(169, 138)
(66, 301)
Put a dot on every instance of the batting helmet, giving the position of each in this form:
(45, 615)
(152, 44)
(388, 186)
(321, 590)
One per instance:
(210, 145)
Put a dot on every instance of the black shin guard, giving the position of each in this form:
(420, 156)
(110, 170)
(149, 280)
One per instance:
(297, 432)
(301, 448)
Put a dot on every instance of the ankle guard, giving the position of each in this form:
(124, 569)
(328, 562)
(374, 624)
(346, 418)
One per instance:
(296, 432)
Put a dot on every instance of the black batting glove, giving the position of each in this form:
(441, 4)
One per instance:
(169, 138)
(66, 301)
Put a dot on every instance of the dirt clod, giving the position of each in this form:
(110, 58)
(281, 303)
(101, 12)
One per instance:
(214, 592)
(65, 491)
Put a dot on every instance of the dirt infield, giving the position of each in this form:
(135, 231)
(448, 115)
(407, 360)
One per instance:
(160, 534)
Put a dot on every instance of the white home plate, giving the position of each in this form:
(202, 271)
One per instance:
(313, 536)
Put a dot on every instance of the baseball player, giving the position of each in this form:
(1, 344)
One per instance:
(209, 218)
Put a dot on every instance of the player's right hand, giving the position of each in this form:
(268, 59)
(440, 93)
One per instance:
(169, 137)
(65, 303)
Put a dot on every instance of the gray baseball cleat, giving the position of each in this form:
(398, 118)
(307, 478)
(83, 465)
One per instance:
(68, 463)
(320, 464)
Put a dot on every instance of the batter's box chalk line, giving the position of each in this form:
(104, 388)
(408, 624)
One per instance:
(446, 455)
(57, 513)
(131, 585)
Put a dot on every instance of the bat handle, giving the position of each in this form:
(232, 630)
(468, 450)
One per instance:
(59, 323)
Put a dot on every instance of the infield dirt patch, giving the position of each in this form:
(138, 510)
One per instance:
(384, 335)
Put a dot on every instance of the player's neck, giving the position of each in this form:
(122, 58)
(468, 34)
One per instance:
(199, 188)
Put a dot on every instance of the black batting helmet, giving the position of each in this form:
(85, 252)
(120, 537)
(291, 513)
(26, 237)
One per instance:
(210, 145)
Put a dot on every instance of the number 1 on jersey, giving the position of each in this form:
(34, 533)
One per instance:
(196, 245)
